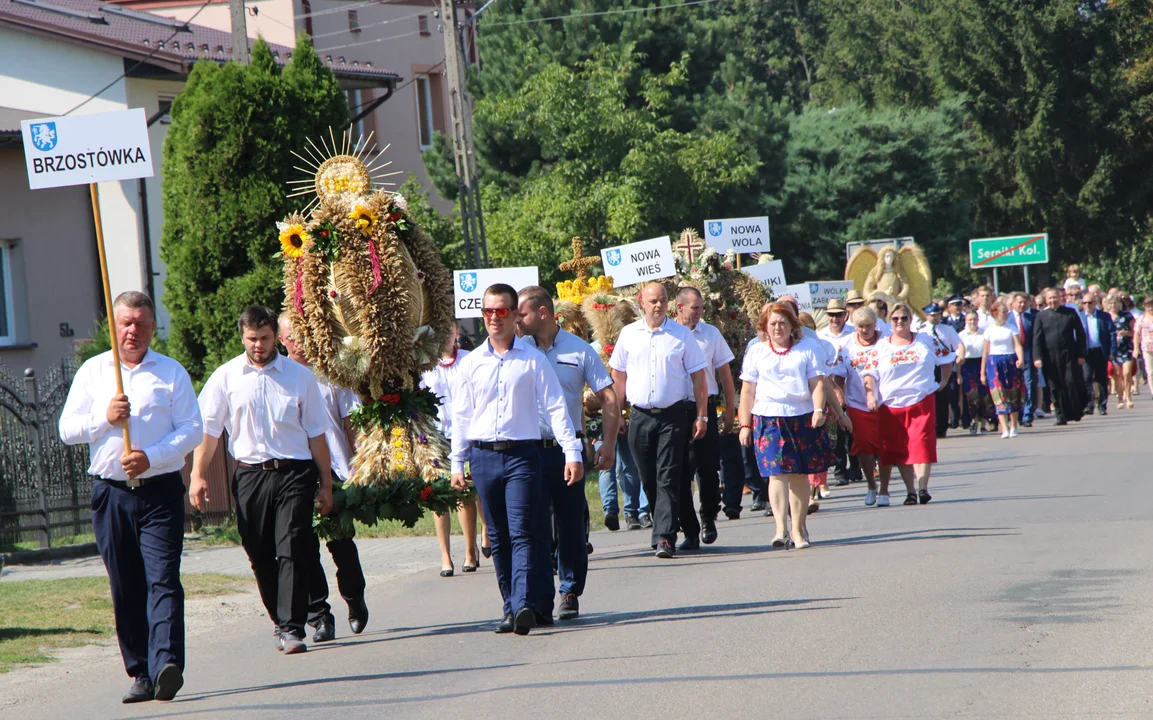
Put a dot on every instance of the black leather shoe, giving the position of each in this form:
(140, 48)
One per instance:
(542, 619)
(758, 506)
(141, 691)
(524, 621)
(357, 615)
(612, 522)
(570, 608)
(325, 630)
(689, 543)
(708, 530)
(1103, 412)
(169, 682)
(733, 514)
(486, 550)
(505, 625)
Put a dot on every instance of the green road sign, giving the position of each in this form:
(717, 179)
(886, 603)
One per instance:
(1003, 251)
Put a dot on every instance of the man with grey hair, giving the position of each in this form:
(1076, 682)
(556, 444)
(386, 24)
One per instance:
(137, 491)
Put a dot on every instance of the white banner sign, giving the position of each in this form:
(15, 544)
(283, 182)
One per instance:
(823, 292)
(469, 286)
(639, 261)
(744, 235)
(771, 274)
(802, 295)
(83, 149)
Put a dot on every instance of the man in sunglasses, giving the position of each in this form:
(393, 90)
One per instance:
(505, 389)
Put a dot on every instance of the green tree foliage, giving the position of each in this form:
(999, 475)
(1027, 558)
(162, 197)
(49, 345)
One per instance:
(857, 175)
(611, 169)
(226, 165)
(1055, 91)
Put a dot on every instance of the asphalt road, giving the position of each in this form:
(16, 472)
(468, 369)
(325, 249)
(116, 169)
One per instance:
(1022, 591)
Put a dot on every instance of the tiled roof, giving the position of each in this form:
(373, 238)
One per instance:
(109, 27)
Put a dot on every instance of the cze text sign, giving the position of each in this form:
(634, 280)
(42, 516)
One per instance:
(771, 275)
(469, 286)
(83, 149)
(639, 261)
(742, 235)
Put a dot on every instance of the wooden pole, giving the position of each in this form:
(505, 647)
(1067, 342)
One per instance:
(108, 307)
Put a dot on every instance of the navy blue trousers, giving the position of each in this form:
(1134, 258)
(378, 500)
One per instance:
(515, 502)
(738, 468)
(569, 512)
(140, 534)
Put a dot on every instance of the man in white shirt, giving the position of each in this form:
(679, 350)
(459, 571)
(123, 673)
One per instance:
(702, 457)
(838, 330)
(949, 396)
(837, 333)
(576, 364)
(503, 389)
(341, 438)
(274, 414)
(138, 496)
(984, 307)
(659, 368)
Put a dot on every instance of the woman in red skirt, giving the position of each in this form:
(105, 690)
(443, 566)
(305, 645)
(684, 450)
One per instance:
(900, 387)
(858, 353)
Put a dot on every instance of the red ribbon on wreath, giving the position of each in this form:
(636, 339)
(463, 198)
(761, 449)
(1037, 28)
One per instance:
(609, 349)
(426, 493)
(375, 265)
(391, 399)
(298, 293)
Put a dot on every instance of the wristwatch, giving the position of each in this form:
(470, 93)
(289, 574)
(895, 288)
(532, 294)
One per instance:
(702, 418)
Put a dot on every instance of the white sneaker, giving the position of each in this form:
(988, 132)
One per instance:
(871, 498)
(882, 501)
(1038, 415)
(1005, 435)
(1013, 433)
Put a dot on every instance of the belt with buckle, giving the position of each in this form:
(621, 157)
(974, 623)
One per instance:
(500, 445)
(139, 482)
(275, 464)
(683, 405)
(547, 443)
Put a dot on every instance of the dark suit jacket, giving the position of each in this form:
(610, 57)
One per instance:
(1104, 332)
(1027, 338)
(1058, 332)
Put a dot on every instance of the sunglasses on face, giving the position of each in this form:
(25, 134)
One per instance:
(899, 318)
(495, 312)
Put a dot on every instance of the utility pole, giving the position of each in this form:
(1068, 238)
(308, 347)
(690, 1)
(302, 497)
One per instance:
(460, 120)
(239, 32)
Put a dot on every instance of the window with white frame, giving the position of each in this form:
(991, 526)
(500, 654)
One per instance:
(7, 303)
(424, 111)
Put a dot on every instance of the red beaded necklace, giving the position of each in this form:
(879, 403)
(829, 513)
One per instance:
(779, 352)
(862, 343)
(450, 363)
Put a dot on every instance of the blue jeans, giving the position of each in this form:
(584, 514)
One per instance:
(515, 502)
(1031, 374)
(625, 472)
(569, 511)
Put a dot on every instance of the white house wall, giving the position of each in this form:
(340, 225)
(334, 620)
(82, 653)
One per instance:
(49, 77)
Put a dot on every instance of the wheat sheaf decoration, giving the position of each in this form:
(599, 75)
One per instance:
(371, 307)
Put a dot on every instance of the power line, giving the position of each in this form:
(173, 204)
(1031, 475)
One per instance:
(138, 63)
(367, 42)
(598, 14)
(363, 27)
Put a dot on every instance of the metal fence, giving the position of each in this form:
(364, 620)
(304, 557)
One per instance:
(45, 490)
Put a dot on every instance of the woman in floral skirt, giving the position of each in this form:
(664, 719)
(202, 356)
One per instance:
(1002, 360)
(976, 394)
(781, 412)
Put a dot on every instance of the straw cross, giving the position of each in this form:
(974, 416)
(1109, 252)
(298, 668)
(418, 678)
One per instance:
(579, 263)
(689, 243)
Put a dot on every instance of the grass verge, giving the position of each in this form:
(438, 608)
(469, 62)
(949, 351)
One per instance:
(39, 616)
(56, 542)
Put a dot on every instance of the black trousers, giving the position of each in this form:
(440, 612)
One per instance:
(1096, 372)
(658, 441)
(703, 459)
(274, 516)
(140, 534)
(349, 577)
(738, 469)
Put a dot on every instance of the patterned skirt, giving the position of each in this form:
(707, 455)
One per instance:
(1006, 383)
(791, 446)
(975, 392)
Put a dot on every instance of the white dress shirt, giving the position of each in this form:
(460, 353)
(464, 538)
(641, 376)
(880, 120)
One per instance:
(716, 351)
(164, 422)
(501, 397)
(659, 363)
(782, 379)
(440, 380)
(269, 412)
(576, 364)
(338, 404)
(826, 333)
(984, 319)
